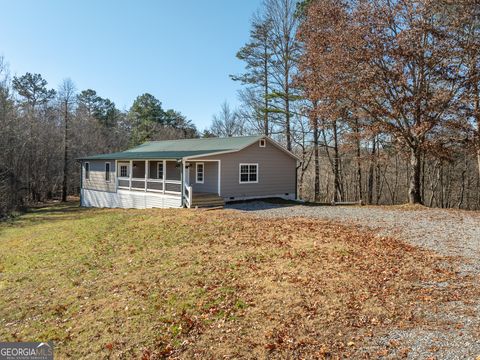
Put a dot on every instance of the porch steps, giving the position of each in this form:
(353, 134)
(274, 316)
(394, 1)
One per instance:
(203, 200)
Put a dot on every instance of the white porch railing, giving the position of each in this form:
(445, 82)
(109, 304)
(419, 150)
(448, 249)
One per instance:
(154, 185)
(187, 195)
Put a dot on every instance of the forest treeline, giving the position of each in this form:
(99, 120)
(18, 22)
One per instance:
(44, 130)
(380, 99)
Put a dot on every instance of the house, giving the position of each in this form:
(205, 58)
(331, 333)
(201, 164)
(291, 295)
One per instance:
(189, 173)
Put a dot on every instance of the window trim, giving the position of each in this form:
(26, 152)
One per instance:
(240, 173)
(262, 141)
(160, 163)
(120, 164)
(196, 172)
(109, 171)
(87, 171)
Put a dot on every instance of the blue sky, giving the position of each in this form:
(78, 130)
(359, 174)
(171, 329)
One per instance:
(182, 52)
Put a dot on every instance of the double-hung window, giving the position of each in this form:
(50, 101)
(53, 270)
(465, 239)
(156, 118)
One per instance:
(248, 173)
(200, 173)
(107, 171)
(123, 170)
(160, 170)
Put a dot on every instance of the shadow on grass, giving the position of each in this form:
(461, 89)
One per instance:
(281, 202)
(61, 208)
(49, 213)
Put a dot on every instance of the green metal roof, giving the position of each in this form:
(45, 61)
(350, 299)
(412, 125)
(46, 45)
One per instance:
(177, 149)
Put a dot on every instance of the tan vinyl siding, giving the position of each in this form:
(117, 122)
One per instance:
(97, 176)
(276, 172)
(210, 174)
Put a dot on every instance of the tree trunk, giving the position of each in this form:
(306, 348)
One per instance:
(265, 84)
(478, 160)
(414, 190)
(65, 156)
(359, 163)
(371, 170)
(337, 196)
(287, 119)
(316, 160)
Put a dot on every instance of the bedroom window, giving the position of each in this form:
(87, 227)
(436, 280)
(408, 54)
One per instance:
(248, 173)
(107, 171)
(262, 142)
(87, 170)
(160, 170)
(200, 172)
(123, 170)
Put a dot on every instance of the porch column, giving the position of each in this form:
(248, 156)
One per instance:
(116, 175)
(182, 183)
(184, 173)
(164, 175)
(130, 176)
(146, 174)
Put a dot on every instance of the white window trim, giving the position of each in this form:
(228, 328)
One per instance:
(87, 173)
(262, 141)
(120, 164)
(196, 172)
(163, 170)
(240, 173)
(109, 171)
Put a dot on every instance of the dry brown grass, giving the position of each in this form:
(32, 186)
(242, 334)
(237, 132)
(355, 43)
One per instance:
(194, 284)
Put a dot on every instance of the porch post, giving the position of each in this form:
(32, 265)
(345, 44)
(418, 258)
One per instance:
(219, 169)
(182, 183)
(130, 176)
(146, 174)
(164, 175)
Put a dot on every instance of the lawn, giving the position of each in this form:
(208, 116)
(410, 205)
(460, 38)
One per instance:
(208, 284)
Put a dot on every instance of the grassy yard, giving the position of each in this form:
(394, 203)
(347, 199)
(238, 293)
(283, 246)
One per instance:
(207, 284)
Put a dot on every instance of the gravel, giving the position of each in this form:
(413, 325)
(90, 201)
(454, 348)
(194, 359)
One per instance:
(447, 232)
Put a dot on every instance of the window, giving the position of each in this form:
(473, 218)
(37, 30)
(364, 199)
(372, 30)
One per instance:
(160, 170)
(107, 171)
(262, 143)
(123, 170)
(87, 170)
(200, 173)
(248, 173)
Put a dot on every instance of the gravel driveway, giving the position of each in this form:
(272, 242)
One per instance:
(447, 232)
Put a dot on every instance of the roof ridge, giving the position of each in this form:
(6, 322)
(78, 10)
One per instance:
(207, 138)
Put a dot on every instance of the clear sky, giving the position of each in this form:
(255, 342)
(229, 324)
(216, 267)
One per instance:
(182, 52)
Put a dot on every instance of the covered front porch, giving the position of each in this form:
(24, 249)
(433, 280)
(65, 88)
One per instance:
(194, 183)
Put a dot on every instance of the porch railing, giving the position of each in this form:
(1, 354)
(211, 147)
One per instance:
(154, 185)
(187, 195)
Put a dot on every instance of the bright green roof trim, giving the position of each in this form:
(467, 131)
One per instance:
(178, 149)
